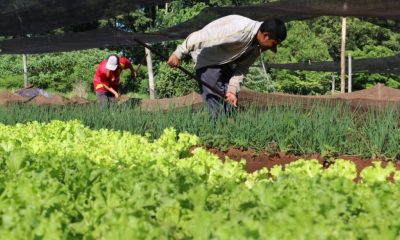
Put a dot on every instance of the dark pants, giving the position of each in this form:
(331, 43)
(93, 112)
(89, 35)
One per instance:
(105, 97)
(218, 77)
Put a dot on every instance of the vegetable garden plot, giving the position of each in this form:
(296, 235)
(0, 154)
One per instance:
(60, 180)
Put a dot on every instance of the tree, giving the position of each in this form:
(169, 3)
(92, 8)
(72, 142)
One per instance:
(301, 45)
(365, 40)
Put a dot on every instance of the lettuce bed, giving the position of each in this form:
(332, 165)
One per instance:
(63, 180)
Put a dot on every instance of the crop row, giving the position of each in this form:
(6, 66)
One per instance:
(328, 130)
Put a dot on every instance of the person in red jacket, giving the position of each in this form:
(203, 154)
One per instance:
(106, 78)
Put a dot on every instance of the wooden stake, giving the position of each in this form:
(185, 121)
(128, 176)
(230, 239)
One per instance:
(149, 61)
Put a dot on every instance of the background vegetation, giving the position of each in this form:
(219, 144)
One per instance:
(311, 40)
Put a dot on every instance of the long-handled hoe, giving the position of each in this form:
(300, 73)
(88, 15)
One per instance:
(218, 92)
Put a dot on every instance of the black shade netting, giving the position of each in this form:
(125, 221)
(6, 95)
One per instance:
(99, 38)
(21, 17)
(370, 65)
(384, 12)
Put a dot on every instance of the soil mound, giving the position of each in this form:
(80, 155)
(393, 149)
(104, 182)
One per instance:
(377, 97)
(191, 100)
(78, 100)
(7, 98)
(52, 101)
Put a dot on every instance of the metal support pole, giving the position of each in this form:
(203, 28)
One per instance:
(350, 77)
(343, 57)
(25, 62)
(213, 88)
(333, 83)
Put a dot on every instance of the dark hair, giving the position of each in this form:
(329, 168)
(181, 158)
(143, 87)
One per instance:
(275, 27)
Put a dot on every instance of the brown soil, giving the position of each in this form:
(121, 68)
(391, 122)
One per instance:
(55, 100)
(193, 100)
(79, 100)
(258, 160)
(7, 98)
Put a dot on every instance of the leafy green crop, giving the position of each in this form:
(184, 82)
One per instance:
(62, 180)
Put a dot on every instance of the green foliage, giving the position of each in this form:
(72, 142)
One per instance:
(301, 45)
(360, 35)
(257, 80)
(172, 82)
(327, 130)
(58, 71)
(237, 2)
(12, 82)
(140, 84)
(366, 80)
(136, 21)
(66, 181)
(11, 69)
(377, 173)
(178, 12)
(364, 40)
(302, 82)
(11, 65)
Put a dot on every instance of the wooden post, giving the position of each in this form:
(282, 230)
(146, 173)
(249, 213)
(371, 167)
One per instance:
(333, 83)
(343, 57)
(25, 62)
(166, 7)
(350, 77)
(151, 74)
